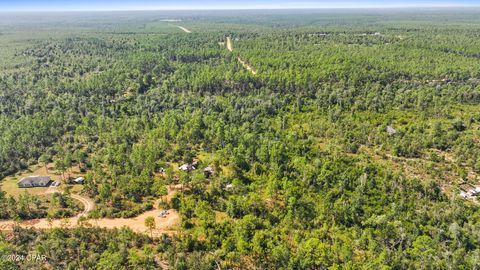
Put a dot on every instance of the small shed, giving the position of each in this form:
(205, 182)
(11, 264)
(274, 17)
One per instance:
(34, 181)
(79, 180)
(188, 166)
(208, 171)
(184, 167)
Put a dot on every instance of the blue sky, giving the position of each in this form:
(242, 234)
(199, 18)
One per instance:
(44, 5)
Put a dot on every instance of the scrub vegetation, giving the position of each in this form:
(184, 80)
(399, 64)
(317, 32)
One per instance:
(347, 149)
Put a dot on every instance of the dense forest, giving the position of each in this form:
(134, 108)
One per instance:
(346, 150)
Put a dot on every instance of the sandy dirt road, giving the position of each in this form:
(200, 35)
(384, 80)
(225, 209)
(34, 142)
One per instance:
(87, 203)
(229, 44)
(184, 29)
(247, 66)
(244, 63)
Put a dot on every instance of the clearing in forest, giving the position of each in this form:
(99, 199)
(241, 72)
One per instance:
(162, 224)
(9, 183)
(244, 63)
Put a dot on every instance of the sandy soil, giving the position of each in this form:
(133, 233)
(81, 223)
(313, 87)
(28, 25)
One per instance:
(184, 29)
(229, 44)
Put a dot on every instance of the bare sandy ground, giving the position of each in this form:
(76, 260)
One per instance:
(229, 44)
(184, 29)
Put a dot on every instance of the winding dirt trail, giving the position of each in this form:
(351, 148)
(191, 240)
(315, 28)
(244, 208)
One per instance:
(87, 203)
(162, 224)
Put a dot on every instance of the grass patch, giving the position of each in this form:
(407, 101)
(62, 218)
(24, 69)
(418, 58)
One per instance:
(9, 183)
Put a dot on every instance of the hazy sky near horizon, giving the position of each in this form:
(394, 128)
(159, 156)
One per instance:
(46, 5)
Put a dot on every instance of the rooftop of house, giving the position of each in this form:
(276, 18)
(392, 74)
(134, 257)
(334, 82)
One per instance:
(30, 180)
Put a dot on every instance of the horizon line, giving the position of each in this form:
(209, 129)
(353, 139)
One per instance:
(245, 9)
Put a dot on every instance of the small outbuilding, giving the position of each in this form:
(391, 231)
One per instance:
(208, 171)
(34, 181)
(194, 163)
(79, 180)
(184, 167)
(475, 191)
(189, 166)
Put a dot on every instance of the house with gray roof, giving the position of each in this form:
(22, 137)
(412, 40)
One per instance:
(34, 181)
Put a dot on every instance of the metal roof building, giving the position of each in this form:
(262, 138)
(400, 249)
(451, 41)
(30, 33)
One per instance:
(34, 181)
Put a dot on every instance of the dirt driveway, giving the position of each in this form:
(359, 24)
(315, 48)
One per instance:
(163, 225)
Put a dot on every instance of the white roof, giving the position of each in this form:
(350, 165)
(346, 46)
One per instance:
(391, 130)
(79, 180)
(184, 167)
